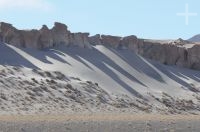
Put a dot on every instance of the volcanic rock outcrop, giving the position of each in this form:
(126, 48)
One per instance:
(46, 38)
(80, 40)
(43, 38)
(60, 34)
(177, 52)
(11, 35)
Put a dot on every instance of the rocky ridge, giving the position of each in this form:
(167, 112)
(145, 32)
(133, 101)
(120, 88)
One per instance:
(171, 52)
(195, 38)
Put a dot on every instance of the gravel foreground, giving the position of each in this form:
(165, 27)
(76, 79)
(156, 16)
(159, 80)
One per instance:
(101, 123)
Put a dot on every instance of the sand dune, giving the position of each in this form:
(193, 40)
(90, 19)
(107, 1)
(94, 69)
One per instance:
(120, 73)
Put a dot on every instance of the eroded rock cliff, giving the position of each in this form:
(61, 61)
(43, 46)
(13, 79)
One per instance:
(171, 52)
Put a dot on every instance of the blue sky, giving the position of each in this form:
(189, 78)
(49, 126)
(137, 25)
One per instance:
(154, 19)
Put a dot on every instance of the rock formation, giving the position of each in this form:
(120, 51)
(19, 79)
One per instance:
(10, 35)
(60, 34)
(30, 38)
(95, 40)
(131, 42)
(193, 57)
(177, 52)
(43, 38)
(46, 38)
(112, 41)
(80, 40)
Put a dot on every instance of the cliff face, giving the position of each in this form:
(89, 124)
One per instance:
(181, 53)
(43, 38)
(11, 35)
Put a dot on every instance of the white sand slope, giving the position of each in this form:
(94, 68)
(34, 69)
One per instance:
(118, 72)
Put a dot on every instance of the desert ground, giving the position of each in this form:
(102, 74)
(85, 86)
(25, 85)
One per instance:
(101, 123)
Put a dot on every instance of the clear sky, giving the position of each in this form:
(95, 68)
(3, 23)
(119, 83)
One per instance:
(156, 19)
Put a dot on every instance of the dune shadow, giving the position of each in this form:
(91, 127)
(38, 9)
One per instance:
(75, 53)
(43, 54)
(138, 64)
(12, 58)
(176, 74)
(102, 61)
(99, 60)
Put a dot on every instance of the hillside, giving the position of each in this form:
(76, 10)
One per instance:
(71, 79)
(195, 38)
